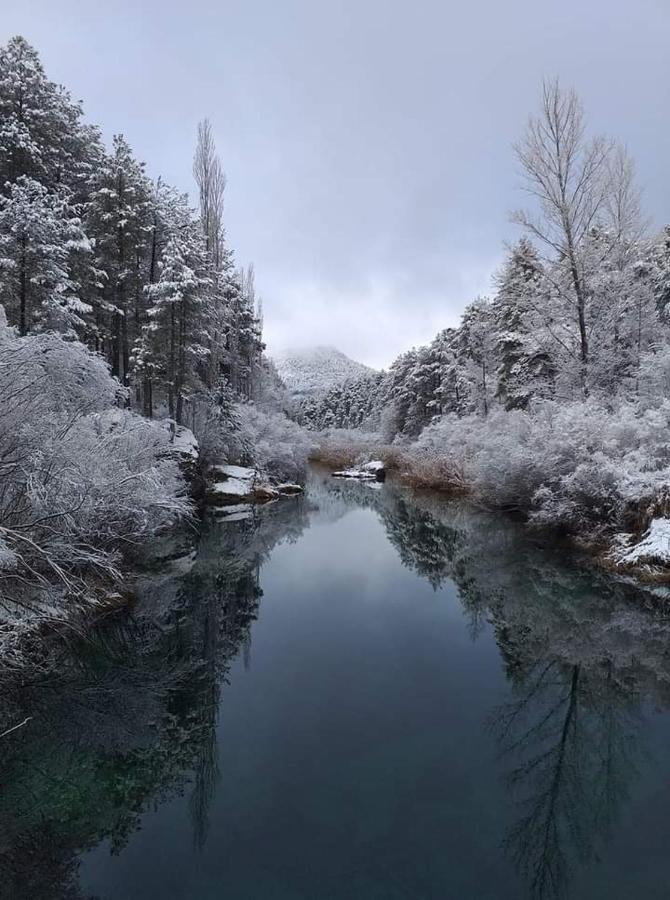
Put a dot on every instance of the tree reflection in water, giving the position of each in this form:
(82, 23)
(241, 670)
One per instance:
(584, 655)
(129, 720)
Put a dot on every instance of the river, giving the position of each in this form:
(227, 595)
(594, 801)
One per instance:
(359, 693)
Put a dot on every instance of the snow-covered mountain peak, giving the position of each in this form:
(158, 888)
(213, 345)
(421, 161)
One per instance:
(315, 370)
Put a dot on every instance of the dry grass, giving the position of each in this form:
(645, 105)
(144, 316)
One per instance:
(343, 450)
(435, 473)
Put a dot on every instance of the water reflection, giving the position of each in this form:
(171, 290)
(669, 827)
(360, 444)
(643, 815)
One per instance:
(585, 655)
(130, 720)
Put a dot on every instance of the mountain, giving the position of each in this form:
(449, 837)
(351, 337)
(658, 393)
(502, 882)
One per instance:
(315, 370)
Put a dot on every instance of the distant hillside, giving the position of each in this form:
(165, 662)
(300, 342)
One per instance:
(315, 370)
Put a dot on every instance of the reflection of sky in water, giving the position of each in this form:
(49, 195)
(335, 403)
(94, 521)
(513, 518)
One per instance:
(421, 682)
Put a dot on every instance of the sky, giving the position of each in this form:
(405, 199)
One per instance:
(367, 144)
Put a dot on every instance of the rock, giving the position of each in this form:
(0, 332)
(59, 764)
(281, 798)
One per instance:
(652, 549)
(241, 473)
(232, 485)
(264, 493)
(376, 467)
(183, 447)
(233, 490)
(371, 471)
(288, 490)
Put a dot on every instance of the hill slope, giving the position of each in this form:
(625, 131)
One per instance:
(315, 370)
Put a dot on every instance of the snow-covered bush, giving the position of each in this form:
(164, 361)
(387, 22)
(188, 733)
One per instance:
(278, 447)
(215, 421)
(573, 465)
(79, 478)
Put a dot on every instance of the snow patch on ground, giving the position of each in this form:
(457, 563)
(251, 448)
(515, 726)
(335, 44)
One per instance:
(240, 472)
(182, 439)
(653, 548)
(375, 465)
(288, 489)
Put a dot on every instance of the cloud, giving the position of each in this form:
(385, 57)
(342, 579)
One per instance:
(375, 320)
(367, 144)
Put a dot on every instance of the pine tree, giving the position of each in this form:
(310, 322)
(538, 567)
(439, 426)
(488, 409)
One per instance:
(41, 132)
(174, 346)
(477, 354)
(40, 237)
(525, 368)
(119, 219)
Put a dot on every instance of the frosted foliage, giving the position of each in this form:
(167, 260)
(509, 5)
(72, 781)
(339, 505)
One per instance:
(280, 447)
(567, 464)
(80, 478)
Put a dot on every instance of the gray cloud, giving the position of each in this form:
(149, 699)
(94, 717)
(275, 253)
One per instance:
(367, 143)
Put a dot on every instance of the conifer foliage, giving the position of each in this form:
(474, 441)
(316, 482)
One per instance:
(92, 248)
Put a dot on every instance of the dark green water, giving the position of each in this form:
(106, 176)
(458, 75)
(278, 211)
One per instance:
(358, 694)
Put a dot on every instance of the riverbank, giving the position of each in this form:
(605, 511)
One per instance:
(629, 536)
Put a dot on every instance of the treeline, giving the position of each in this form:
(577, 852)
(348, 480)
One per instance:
(551, 397)
(93, 248)
(124, 323)
(579, 309)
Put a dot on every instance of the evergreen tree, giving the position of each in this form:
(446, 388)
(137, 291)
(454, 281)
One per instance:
(40, 235)
(174, 345)
(119, 220)
(41, 132)
(524, 368)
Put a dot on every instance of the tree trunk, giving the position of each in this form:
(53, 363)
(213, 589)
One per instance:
(171, 372)
(23, 289)
(181, 364)
(580, 294)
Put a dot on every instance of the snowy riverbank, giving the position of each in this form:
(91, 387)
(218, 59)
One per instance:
(586, 478)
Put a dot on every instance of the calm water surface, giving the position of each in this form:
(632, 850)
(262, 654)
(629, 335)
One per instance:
(356, 694)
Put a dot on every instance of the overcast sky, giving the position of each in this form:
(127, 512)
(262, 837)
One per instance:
(367, 144)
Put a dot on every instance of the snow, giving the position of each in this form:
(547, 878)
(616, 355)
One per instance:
(654, 546)
(315, 370)
(182, 439)
(375, 465)
(355, 473)
(372, 470)
(289, 489)
(233, 487)
(240, 472)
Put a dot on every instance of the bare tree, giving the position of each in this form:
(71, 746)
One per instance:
(570, 178)
(623, 205)
(211, 181)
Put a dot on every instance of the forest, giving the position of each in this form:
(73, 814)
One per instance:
(550, 397)
(132, 357)
(130, 347)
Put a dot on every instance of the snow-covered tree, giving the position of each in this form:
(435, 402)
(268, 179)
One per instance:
(79, 476)
(175, 340)
(119, 221)
(42, 135)
(525, 369)
(40, 238)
